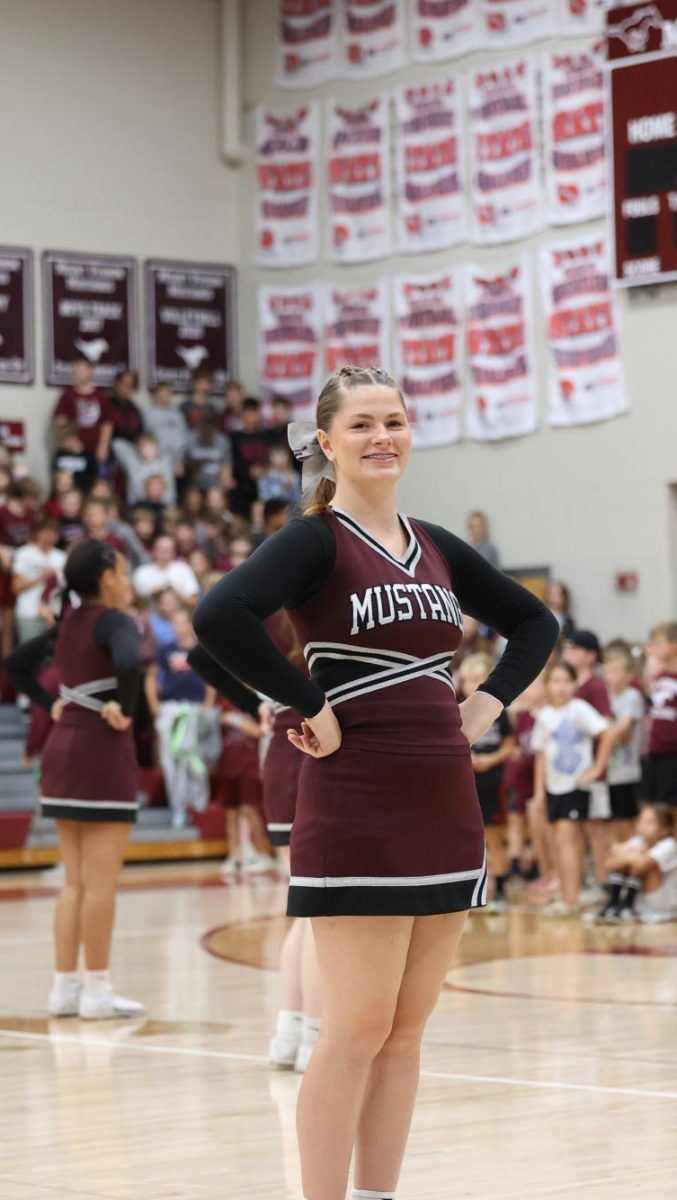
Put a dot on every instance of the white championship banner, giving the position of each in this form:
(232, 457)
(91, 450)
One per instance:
(428, 313)
(431, 209)
(356, 326)
(500, 347)
(585, 372)
(306, 42)
(506, 193)
(372, 37)
(575, 152)
(515, 22)
(290, 344)
(287, 231)
(443, 29)
(358, 181)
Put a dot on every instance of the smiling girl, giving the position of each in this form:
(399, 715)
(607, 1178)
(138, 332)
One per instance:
(387, 849)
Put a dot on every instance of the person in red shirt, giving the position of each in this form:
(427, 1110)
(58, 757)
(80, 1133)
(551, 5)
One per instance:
(88, 407)
(661, 763)
(18, 519)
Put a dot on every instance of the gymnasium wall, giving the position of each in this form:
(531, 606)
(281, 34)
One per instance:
(108, 122)
(589, 502)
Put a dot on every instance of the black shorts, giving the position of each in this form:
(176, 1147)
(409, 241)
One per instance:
(571, 806)
(489, 793)
(660, 778)
(624, 800)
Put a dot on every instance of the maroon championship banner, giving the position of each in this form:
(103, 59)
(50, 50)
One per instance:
(90, 309)
(574, 122)
(506, 195)
(190, 322)
(443, 29)
(290, 344)
(286, 171)
(16, 315)
(500, 350)
(358, 180)
(642, 53)
(306, 44)
(356, 326)
(372, 36)
(585, 372)
(429, 354)
(431, 211)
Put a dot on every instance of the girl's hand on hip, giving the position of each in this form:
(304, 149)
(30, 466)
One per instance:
(113, 715)
(56, 710)
(478, 714)
(320, 736)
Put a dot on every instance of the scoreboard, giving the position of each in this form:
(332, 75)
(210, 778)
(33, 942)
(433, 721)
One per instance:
(642, 61)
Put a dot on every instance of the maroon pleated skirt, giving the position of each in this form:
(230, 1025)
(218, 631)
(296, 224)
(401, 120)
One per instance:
(387, 834)
(281, 771)
(89, 771)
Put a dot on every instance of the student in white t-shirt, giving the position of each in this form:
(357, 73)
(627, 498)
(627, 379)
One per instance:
(566, 765)
(166, 571)
(625, 765)
(643, 870)
(34, 567)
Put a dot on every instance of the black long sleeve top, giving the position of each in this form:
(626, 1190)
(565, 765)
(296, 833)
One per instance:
(113, 633)
(292, 566)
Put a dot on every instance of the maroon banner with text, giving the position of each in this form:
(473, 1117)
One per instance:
(16, 315)
(190, 322)
(89, 309)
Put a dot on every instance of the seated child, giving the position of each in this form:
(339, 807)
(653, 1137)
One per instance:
(643, 870)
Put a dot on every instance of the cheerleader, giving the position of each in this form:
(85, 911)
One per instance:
(89, 770)
(387, 849)
(297, 1023)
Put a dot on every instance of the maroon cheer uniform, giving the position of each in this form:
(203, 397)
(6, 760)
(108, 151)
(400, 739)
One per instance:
(282, 763)
(518, 773)
(390, 823)
(89, 770)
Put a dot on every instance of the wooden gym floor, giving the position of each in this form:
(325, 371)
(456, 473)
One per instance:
(550, 1065)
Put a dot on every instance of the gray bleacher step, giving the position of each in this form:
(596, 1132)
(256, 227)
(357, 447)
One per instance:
(16, 785)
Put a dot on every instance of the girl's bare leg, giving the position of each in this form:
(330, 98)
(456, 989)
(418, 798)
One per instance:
(568, 841)
(385, 1119)
(362, 962)
(67, 913)
(103, 850)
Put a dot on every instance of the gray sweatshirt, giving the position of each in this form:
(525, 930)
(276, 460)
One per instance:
(138, 470)
(169, 430)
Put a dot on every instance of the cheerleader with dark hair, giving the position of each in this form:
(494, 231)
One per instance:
(89, 769)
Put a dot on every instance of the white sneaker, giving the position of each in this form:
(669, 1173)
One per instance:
(229, 867)
(64, 1000)
(260, 864)
(303, 1057)
(106, 1005)
(283, 1050)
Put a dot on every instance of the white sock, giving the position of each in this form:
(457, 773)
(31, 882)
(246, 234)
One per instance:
(311, 1030)
(66, 979)
(361, 1195)
(97, 982)
(289, 1022)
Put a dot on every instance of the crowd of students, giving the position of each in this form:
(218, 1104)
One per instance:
(577, 782)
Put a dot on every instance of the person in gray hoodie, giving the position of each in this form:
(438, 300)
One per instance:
(141, 460)
(167, 425)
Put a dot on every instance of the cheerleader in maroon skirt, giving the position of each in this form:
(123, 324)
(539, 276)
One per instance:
(89, 769)
(387, 849)
(298, 1018)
